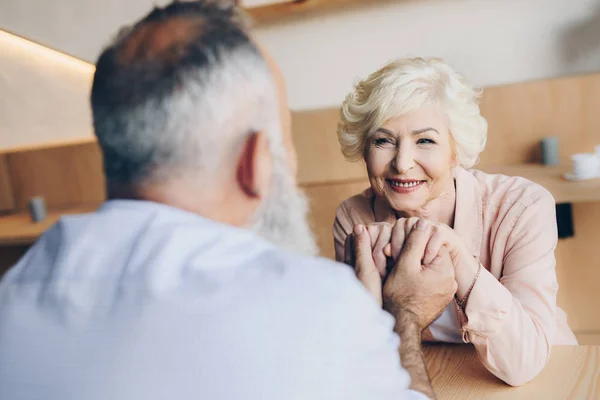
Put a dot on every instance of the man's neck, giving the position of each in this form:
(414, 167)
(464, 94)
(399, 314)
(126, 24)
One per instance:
(212, 204)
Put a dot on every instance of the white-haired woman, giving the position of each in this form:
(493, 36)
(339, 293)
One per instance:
(417, 125)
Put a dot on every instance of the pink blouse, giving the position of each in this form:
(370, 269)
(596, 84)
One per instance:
(509, 225)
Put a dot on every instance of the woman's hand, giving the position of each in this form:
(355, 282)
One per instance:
(380, 234)
(364, 266)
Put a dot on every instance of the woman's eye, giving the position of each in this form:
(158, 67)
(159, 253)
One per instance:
(425, 141)
(383, 142)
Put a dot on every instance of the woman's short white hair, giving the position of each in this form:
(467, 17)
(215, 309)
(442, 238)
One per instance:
(406, 85)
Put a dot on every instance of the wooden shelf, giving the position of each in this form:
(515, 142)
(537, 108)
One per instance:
(18, 229)
(550, 177)
(564, 191)
(278, 12)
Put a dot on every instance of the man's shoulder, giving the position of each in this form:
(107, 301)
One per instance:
(321, 282)
(323, 273)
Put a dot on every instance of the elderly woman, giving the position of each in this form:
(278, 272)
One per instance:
(417, 125)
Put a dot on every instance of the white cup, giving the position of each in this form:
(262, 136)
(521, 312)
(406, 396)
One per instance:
(585, 165)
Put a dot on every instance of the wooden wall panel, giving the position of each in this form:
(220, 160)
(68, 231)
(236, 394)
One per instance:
(319, 155)
(281, 11)
(518, 115)
(66, 176)
(324, 200)
(578, 270)
(7, 202)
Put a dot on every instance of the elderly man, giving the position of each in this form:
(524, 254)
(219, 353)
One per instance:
(196, 278)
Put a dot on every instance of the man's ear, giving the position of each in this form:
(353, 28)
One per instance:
(254, 166)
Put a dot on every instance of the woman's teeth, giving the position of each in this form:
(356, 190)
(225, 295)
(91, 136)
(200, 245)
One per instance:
(405, 185)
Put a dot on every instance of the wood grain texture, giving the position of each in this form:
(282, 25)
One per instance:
(319, 157)
(578, 271)
(573, 372)
(65, 176)
(281, 12)
(518, 115)
(7, 202)
(324, 200)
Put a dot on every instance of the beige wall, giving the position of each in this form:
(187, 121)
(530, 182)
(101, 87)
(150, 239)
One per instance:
(44, 95)
(78, 27)
(491, 41)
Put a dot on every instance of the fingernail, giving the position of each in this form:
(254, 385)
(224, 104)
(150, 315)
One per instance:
(387, 250)
(422, 224)
(358, 229)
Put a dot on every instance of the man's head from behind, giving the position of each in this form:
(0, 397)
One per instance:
(189, 112)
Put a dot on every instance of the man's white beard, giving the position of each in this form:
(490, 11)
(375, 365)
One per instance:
(283, 217)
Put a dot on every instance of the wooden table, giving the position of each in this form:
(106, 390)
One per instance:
(573, 373)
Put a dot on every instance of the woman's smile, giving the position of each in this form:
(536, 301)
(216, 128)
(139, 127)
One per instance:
(405, 186)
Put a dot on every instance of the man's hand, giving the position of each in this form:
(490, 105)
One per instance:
(441, 236)
(364, 265)
(423, 290)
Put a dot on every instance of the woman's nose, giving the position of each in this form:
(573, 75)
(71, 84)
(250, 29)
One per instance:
(404, 160)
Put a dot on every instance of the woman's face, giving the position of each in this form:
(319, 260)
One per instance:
(410, 159)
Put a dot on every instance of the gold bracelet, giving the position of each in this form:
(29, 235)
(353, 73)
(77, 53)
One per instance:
(461, 303)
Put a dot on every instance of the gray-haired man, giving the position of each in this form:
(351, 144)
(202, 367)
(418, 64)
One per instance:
(197, 279)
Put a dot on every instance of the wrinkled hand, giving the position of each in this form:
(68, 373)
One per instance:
(441, 235)
(415, 286)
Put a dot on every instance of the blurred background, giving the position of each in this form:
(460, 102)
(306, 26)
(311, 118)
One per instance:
(537, 60)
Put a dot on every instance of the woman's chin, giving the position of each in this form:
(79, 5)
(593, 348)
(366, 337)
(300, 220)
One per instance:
(405, 205)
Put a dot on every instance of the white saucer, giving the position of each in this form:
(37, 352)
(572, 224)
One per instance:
(571, 177)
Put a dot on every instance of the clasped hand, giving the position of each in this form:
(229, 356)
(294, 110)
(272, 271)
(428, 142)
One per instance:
(407, 267)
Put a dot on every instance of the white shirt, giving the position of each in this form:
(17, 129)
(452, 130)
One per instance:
(445, 328)
(144, 301)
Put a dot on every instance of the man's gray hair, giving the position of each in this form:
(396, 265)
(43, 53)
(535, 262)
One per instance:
(178, 91)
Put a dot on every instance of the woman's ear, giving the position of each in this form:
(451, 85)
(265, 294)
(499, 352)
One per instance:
(455, 159)
(254, 166)
(455, 162)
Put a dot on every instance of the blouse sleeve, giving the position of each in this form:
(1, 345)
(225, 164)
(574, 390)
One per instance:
(512, 321)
